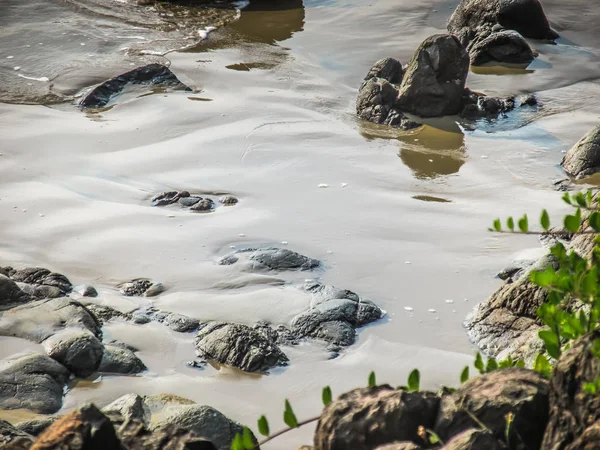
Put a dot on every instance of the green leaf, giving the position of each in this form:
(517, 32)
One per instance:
(263, 426)
(542, 366)
(572, 223)
(567, 198)
(596, 348)
(414, 380)
(372, 379)
(510, 223)
(464, 375)
(433, 437)
(543, 279)
(545, 220)
(491, 365)
(580, 199)
(479, 363)
(237, 443)
(588, 199)
(326, 395)
(590, 388)
(520, 364)
(594, 221)
(288, 415)
(497, 225)
(524, 224)
(551, 341)
(248, 439)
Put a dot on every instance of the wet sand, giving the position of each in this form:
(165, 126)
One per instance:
(280, 123)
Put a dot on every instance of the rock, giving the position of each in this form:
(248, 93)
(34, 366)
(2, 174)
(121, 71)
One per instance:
(572, 409)
(135, 288)
(271, 259)
(475, 17)
(389, 69)
(120, 360)
(492, 396)
(169, 197)
(589, 439)
(376, 103)
(189, 201)
(478, 106)
(154, 290)
(106, 313)
(40, 278)
(86, 290)
(10, 293)
(583, 159)
(366, 418)
(76, 349)
(12, 438)
(181, 323)
(86, 428)
(39, 320)
(134, 436)
(34, 382)
(239, 346)
(203, 421)
(35, 427)
(474, 439)
(228, 200)
(206, 204)
(130, 406)
(435, 78)
(150, 75)
(506, 46)
(400, 446)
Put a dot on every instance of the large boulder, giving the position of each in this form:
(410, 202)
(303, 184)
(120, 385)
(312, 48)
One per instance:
(435, 79)
(366, 418)
(39, 320)
(490, 398)
(583, 159)
(76, 349)
(506, 46)
(151, 75)
(34, 382)
(573, 410)
(389, 69)
(44, 283)
(239, 346)
(120, 360)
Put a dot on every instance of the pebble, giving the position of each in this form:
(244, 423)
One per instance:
(171, 216)
(431, 310)
(82, 43)
(454, 311)
(449, 301)
(42, 215)
(408, 308)
(18, 68)
(344, 185)
(323, 185)
(484, 157)
(407, 262)
(10, 57)
(24, 210)
(232, 246)
(241, 235)
(284, 242)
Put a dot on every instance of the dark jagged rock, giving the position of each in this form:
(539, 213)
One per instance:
(389, 69)
(272, 259)
(505, 46)
(366, 418)
(38, 276)
(194, 202)
(573, 410)
(239, 346)
(39, 320)
(141, 286)
(120, 360)
(169, 197)
(76, 349)
(583, 159)
(476, 106)
(34, 382)
(11, 294)
(435, 79)
(35, 427)
(489, 398)
(150, 75)
(12, 438)
(206, 204)
(474, 439)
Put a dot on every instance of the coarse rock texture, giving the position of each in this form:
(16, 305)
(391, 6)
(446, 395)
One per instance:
(271, 259)
(76, 349)
(506, 46)
(141, 286)
(12, 438)
(583, 159)
(129, 406)
(435, 79)
(120, 360)
(150, 75)
(474, 439)
(195, 202)
(574, 413)
(11, 294)
(366, 418)
(39, 320)
(492, 396)
(34, 382)
(239, 346)
(35, 427)
(400, 446)
(203, 421)
(389, 69)
(42, 282)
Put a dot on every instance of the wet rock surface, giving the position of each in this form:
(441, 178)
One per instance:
(583, 159)
(155, 75)
(34, 382)
(193, 202)
(76, 349)
(141, 287)
(12, 438)
(130, 406)
(239, 346)
(10, 293)
(366, 418)
(489, 398)
(271, 259)
(505, 46)
(120, 360)
(35, 427)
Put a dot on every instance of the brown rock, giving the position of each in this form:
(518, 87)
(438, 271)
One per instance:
(366, 418)
(474, 439)
(583, 159)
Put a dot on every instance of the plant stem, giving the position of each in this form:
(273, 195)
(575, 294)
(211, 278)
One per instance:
(285, 430)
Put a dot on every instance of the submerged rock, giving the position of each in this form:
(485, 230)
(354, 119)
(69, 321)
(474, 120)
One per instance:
(490, 397)
(239, 346)
(76, 349)
(169, 197)
(435, 79)
(583, 159)
(229, 200)
(34, 382)
(272, 259)
(120, 360)
(150, 75)
(366, 418)
(205, 204)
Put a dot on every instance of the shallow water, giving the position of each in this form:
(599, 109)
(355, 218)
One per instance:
(403, 220)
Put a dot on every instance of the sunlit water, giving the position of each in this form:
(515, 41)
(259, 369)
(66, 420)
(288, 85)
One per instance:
(403, 220)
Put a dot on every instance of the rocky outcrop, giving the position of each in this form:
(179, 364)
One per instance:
(583, 159)
(39, 282)
(12, 438)
(504, 46)
(194, 202)
(76, 349)
(490, 398)
(270, 259)
(120, 360)
(141, 287)
(11, 294)
(366, 418)
(151, 75)
(34, 382)
(574, 413)
(239, 346)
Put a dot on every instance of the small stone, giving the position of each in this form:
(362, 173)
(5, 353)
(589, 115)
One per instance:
(409, 308)
(323, 185)
(344, 185)
(10, 57)
(42, 215)
(18, 68)
(154, 290)
(449, 301)
(228, 200)
(433, 311)
(407, 262)
(206, 204)
(241, 235)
